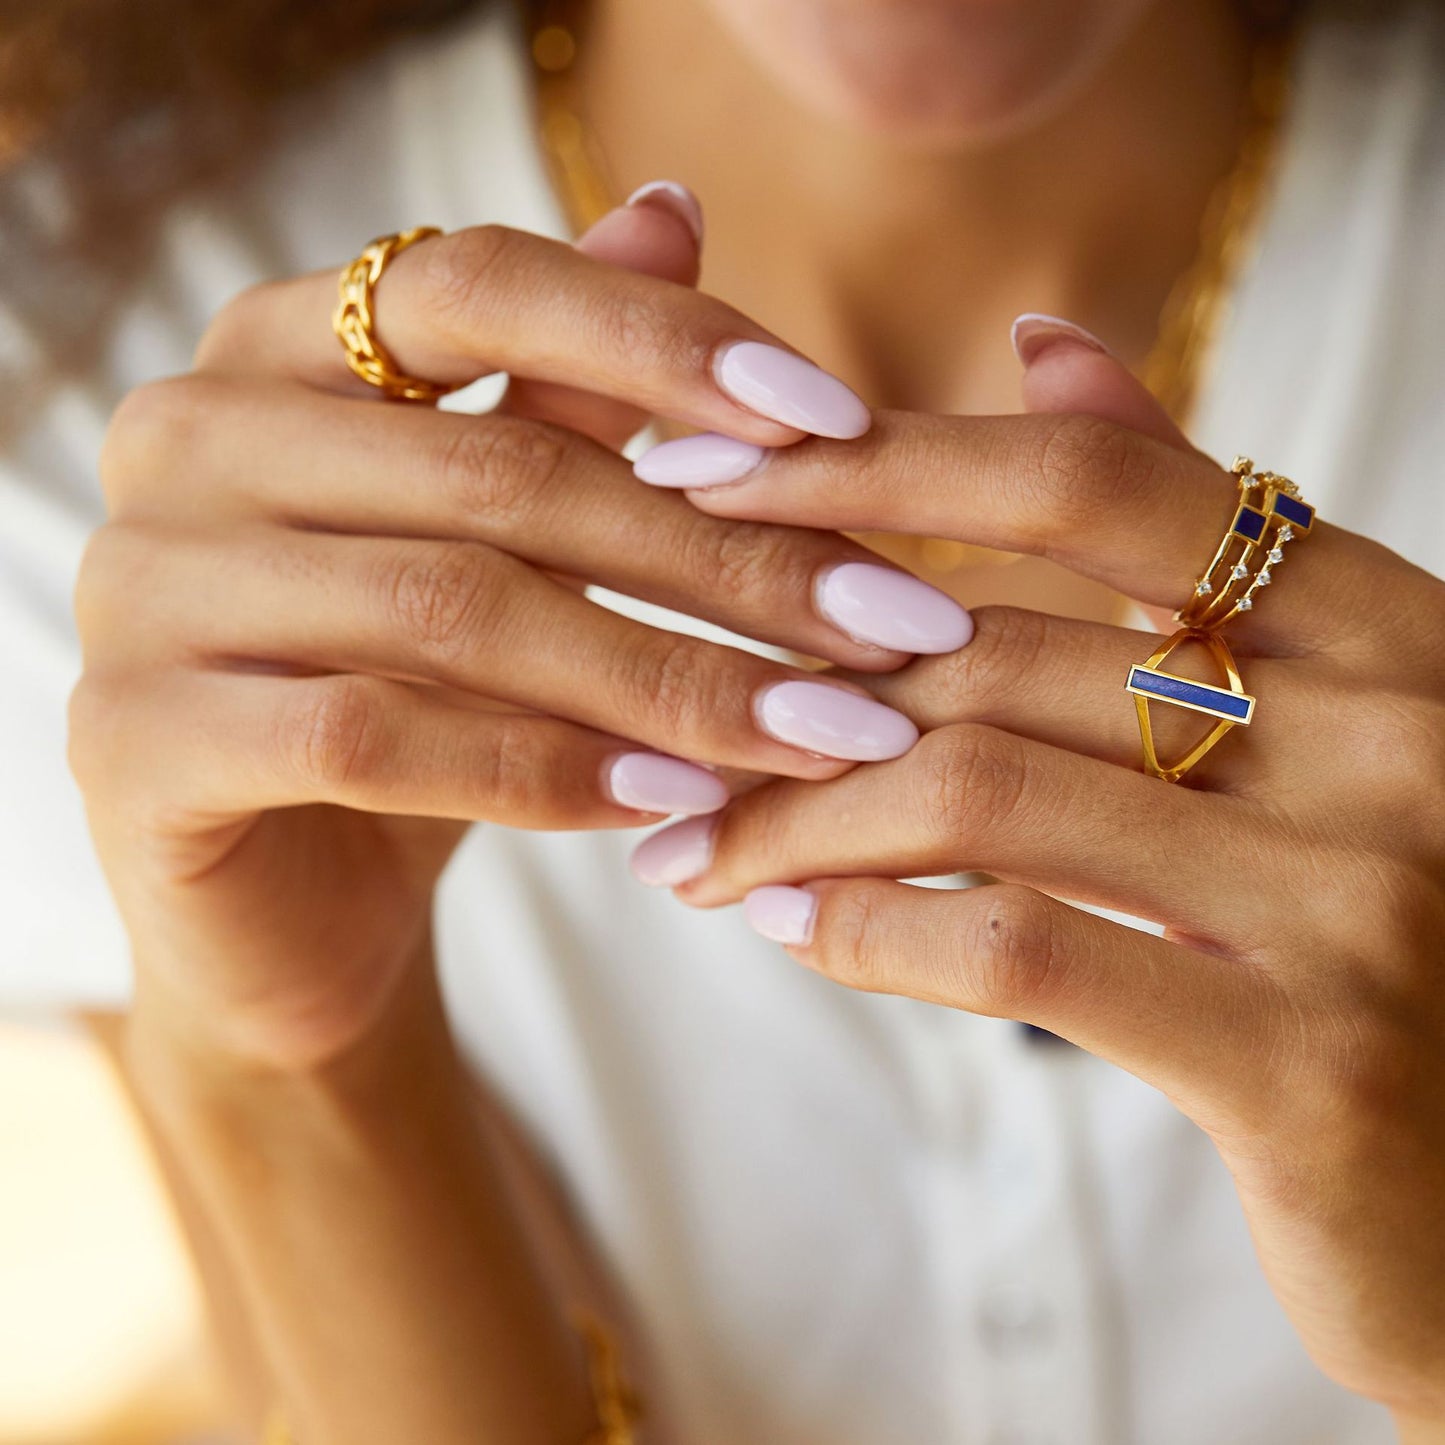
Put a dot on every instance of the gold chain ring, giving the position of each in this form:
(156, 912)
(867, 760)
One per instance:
(354, 320)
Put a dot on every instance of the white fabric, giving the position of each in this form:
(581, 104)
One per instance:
(843, 1218)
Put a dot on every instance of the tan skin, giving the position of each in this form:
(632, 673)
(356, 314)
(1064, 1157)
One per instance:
(302, 681)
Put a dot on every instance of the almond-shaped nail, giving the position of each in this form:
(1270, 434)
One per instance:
(890, 608)
(786, 915)
(833, 722)
(675, 854)
(671, 196)
(655, 783)
(780, 385)
(705, 460)
(1034, 332)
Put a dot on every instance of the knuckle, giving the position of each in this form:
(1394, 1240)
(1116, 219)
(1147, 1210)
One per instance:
(151, 427)
(850, 948)
(117, 565)
(634, 326)
(497, 470)
(1007, 646)
(507, 776)
(234, 321)
(462, 273)
(90, 729)
(332, 738)
(674, 686)
(1084, 467)
(970, 782)
(746, 564)
(1010, 952)
(441, 597)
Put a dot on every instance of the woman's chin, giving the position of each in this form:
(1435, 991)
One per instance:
(934, 73)
(918, 116)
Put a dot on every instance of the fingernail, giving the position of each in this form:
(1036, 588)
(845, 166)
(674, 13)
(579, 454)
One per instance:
(835, 723)
(706, 460)
(671, 196)
(890, 608)
(1033, 333)
(674, 854)
(783, 914)
(777, 384)
(656, 783)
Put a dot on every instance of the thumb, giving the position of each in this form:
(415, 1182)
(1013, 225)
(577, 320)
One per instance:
(1068, 369)
(657, 232)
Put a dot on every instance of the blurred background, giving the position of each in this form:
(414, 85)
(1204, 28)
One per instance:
(102, 1335)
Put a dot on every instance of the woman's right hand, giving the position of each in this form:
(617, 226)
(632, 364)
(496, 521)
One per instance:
(322, 632)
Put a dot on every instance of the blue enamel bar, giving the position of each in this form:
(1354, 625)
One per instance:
(1220, 702)
(1249, 523)
(1297, 513)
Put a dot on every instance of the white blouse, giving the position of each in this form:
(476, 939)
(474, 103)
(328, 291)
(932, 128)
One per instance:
(841, 1218)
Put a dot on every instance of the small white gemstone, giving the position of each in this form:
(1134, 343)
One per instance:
(1284, 533)
(1275, 555)
(1264, 579)
(1245, 603)
(1204, 589)
(1240, 572)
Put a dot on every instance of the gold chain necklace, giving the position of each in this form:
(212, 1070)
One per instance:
(1190, 320)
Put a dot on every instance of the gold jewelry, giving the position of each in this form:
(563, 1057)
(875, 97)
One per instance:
(354, 320)
(1229, 585)
(1192, 315)
(1231, 705)
(617, 1405)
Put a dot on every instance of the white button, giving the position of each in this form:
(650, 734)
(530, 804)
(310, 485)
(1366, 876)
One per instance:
(1013, 1319)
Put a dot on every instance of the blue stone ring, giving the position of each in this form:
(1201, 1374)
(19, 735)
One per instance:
(1230, 706)
(1270, 515)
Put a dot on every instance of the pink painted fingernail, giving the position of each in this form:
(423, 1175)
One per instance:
(674, 854)
(890, 608)
(828, 720)
(777, 384)
(706, 460)
(783, 914)
(671, 196)
(656, 783)
(1033, 333)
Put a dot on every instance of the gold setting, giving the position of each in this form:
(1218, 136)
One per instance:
(354, 320)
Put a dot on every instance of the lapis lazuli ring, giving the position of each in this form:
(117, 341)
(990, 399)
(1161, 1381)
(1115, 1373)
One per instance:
(1270, 514)
(1230, 706)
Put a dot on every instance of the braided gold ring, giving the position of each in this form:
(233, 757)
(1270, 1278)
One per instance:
(354, 320)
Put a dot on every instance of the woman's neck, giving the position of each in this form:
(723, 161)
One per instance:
(901, 268)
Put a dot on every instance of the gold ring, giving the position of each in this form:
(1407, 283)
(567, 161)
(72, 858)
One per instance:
(1235, 575)
(354, 320)
(1230, 706)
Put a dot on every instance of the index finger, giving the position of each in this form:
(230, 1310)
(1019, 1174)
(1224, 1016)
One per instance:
(455, 307)
(1126, 509)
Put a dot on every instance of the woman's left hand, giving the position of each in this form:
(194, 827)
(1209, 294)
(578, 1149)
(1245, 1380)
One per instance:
(1295, 1006)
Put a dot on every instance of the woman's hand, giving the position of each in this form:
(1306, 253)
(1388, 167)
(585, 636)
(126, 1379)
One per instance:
(316, 624)
(1295, 1006)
